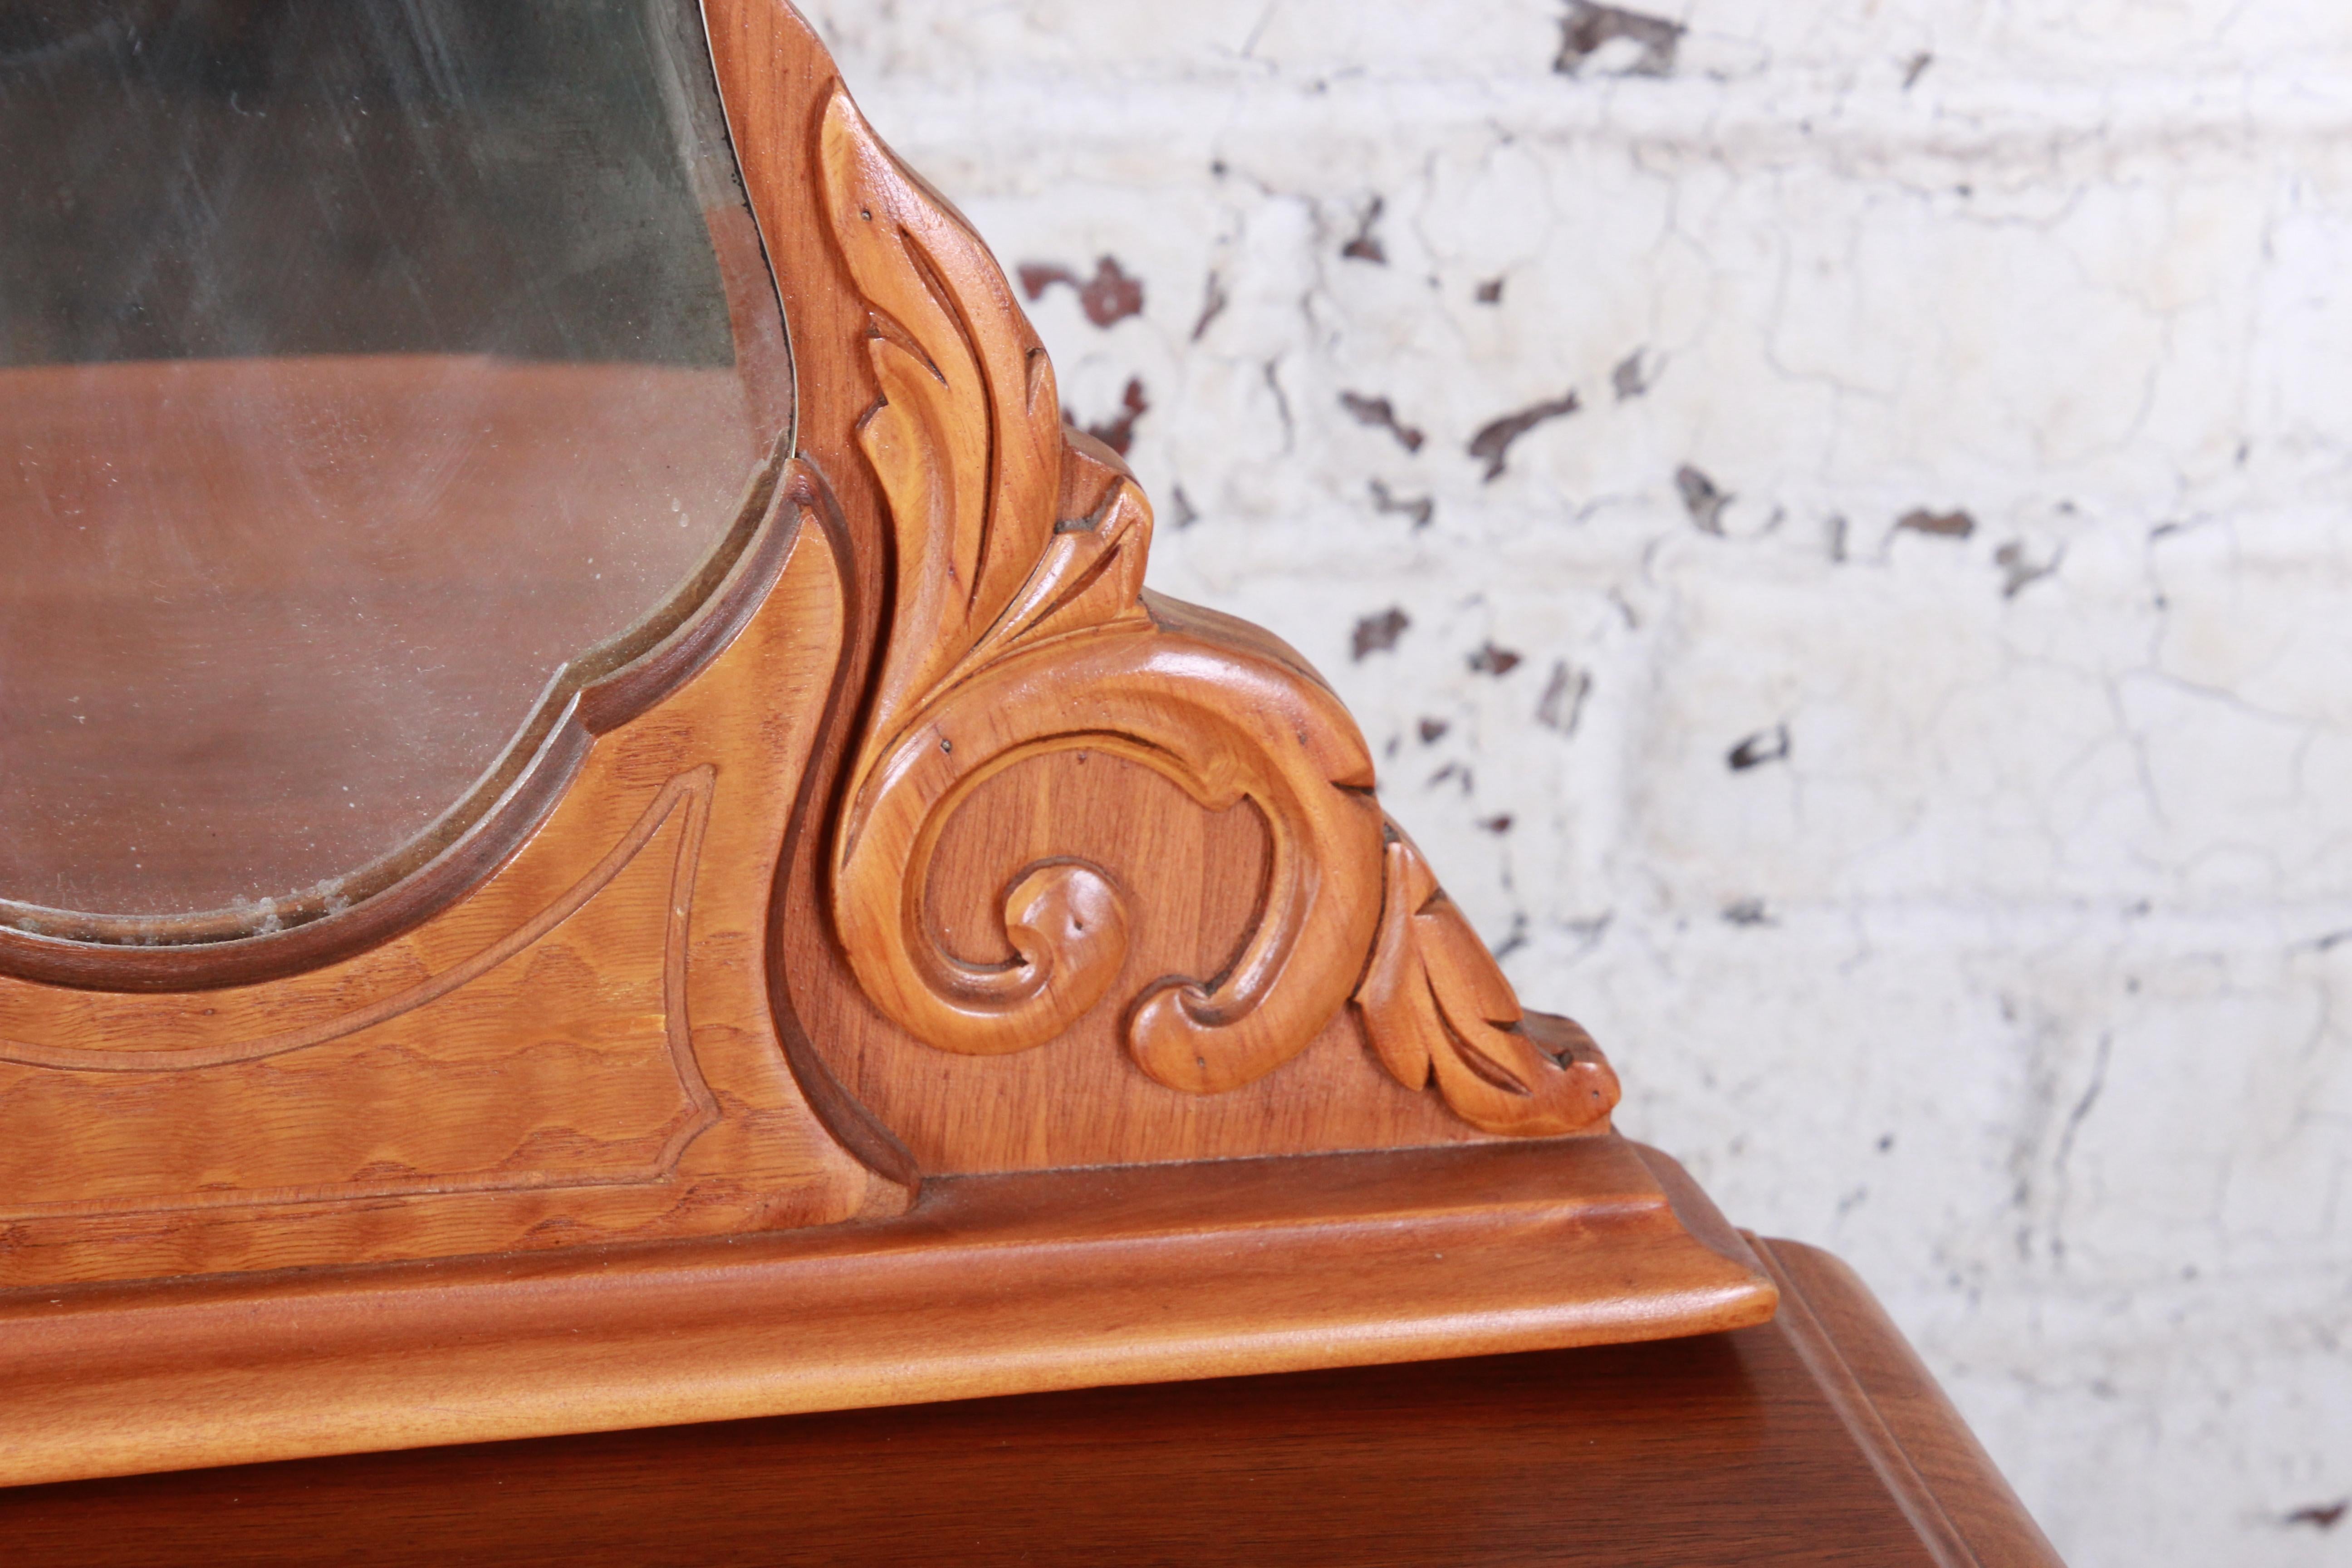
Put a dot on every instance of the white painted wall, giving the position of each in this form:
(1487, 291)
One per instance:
(2016, 980)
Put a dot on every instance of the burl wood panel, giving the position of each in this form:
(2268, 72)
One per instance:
(1727, 1451)
(580, 1050)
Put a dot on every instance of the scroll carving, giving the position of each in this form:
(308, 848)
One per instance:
(1019, 626)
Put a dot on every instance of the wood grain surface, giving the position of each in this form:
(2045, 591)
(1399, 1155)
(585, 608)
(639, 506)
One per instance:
(744, 865)
(794, 1051)
(580, 1050)
(1722, 1450)
(1924, 1454)
(988, 1284)
(1025, 707)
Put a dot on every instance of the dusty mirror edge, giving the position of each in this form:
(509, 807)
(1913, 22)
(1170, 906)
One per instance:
(609, 682)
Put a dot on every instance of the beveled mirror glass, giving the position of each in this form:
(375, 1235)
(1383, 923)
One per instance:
(368, 371)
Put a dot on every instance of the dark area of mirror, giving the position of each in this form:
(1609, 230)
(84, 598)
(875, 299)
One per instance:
(367, 370)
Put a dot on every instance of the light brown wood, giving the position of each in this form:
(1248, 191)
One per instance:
(1016, 632)
(1438, 1010)
(992, 1285)
(1020, 630)
(931, 861)
(580, 1050)
(1720, 1452)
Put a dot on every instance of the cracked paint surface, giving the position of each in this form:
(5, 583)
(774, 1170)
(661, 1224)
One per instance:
(1963, 436)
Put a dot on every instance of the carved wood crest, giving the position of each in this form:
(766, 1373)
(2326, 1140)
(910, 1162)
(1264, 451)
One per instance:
(800, 956)
(1020, 625)
(474, 1061)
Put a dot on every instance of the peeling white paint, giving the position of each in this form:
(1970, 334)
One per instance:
(2023, 980)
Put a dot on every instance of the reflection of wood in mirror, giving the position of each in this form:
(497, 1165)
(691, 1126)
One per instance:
(264, 664)
(361, 377)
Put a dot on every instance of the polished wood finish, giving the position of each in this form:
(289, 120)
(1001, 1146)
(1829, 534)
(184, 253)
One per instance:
(580, 1050)
(538, 1037)
(1019, 637)
(1438, 1013)
(1723, 1450)
(991, 1284)
(1017, 631)
(931, 868)
(1924, 1454)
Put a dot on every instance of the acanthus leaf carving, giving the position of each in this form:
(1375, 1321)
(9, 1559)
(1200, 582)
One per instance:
(1020, 626)
(1437, 1011)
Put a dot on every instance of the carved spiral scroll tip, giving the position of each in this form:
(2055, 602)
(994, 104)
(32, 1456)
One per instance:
(1067, 922)
(1067, 927)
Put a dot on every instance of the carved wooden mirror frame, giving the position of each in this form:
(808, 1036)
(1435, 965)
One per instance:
(940, 966)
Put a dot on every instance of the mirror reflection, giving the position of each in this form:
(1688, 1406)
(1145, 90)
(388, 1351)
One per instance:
(363, 368)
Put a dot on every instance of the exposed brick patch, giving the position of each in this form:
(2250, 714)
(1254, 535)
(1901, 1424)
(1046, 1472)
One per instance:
(1562, 703)
(1493, 442)
(1118, 432)
(1703, 498)
(1492, 660)
(1938, 524)
(1616, 43)
(1764, 746)
(1378, 633)
(1421, 509)
(2321, 1516)
(1381, 415)
(1366, 245)
(1108, 297)
(1629, 379)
